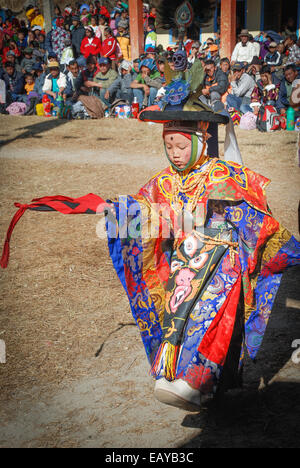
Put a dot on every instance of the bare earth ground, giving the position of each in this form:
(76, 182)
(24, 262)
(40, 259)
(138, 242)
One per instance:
(75, 373)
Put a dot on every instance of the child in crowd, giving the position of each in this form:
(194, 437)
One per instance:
(29, 83)
(28, 61)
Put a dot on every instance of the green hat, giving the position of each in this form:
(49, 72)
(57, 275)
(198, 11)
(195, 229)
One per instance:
(28, 50)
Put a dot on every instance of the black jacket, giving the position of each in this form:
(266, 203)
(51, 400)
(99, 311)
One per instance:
(14, 83)
(218, 83)
(77, 35)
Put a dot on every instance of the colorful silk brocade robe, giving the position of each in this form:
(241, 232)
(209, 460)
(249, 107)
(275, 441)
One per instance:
(157, 276)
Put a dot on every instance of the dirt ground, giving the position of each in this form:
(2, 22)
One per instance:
(75, 372)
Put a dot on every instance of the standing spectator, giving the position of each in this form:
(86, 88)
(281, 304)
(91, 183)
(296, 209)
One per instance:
(151, 36)
(294, 50)
(101, 10)
(38, 19)
(243, 51)
(242, 86)
(124, 39)
(57, 14)
(68, 20)
(94, 24)
(214, 86)
(290, 74)
(90, 45)
(193, 53)
(255, 44)
(101, 27)
(109, 45)
(58, 37)
(77, 35)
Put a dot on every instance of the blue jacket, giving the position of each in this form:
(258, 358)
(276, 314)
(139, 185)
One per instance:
(39, 83)
(48, 42)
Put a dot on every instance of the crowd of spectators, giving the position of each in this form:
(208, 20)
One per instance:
(87, 54)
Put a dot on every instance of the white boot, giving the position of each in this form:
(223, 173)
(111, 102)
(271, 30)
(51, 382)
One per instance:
(178, 393)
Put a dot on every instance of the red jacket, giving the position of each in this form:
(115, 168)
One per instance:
(93, 48)
(103, 11)
(109, 48)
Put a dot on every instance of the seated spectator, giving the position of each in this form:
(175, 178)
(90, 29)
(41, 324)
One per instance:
(55, 82)
(160, 63)
(242, 86)
(214, 54)
(10, 57)
(294, 51)
(22, 40)
(39, 79)
(266, 90)
(71, 91)
(254, 68)
(150, 53)
(243, 51)
(11, 47)
(214, 86)
(68, 53)
(124, 39)
(104, 79)
(90, 45)
(120, 88)
(29, 83)
(147, 83)
(290, 74)
(135, 68)
(109, 46)
(14, 82)
(91, 70)
(28, 60)
(225, 65)
(273, 57)
(295, 97)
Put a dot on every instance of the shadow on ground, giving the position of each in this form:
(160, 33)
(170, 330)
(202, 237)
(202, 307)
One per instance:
(35, 130)
(269, 416)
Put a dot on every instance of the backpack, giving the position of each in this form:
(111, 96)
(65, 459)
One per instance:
(268, 119)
